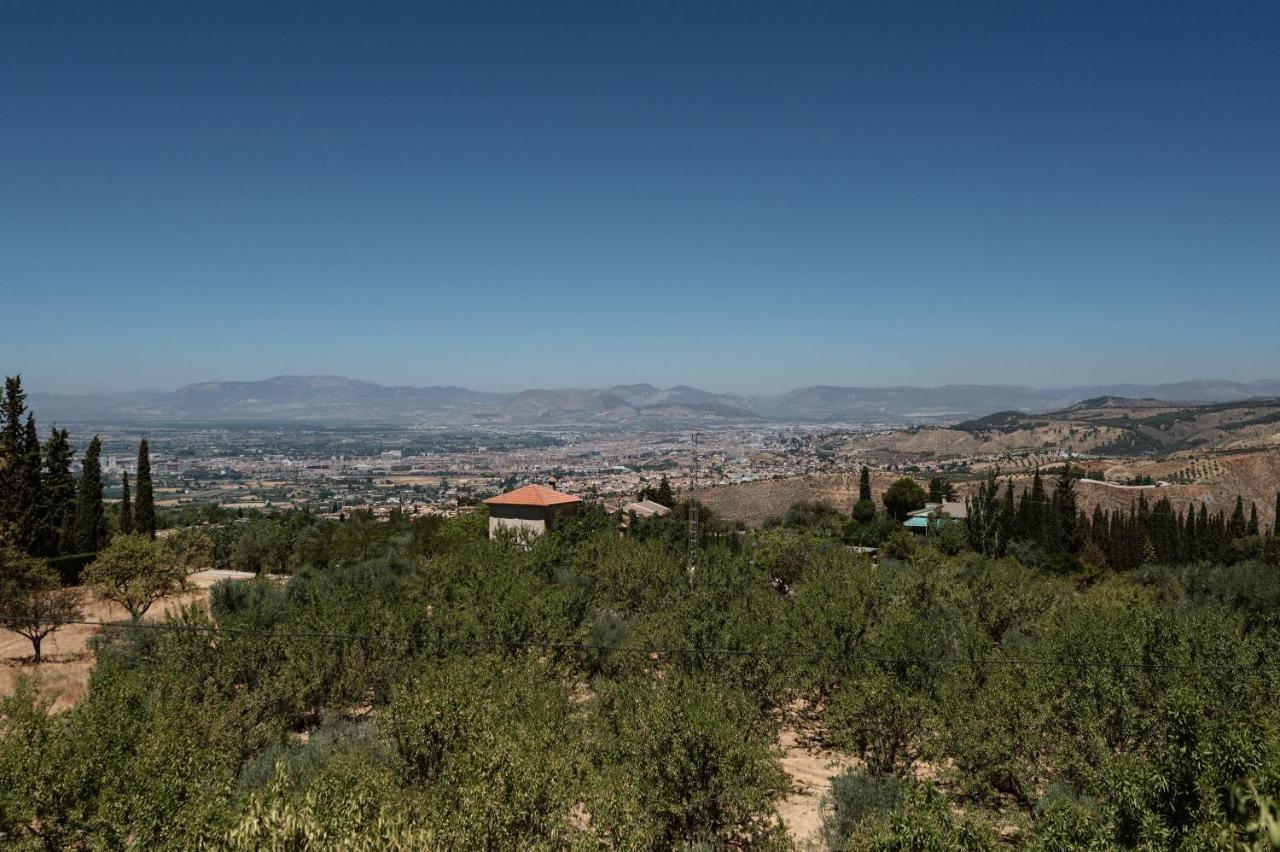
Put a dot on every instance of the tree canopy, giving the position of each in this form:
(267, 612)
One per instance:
(135, 572)
(902, 498)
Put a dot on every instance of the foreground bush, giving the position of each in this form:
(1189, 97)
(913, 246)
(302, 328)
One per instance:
(683, 761)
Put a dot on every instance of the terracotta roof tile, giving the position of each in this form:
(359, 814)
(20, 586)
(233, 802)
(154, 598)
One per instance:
(533, 495)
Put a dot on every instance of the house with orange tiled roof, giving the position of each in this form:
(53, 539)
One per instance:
(530, 511)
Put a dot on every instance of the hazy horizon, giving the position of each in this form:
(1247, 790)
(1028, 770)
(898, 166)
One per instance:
(719, 390)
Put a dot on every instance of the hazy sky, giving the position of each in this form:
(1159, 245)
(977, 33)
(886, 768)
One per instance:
(741, 196)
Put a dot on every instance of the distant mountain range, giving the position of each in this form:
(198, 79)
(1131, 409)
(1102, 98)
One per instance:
(334, 399)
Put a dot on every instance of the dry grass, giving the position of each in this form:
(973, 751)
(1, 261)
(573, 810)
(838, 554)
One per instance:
(63, 674)
(753, 502)
(810, 769)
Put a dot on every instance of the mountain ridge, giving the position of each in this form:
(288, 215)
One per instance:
(331, 398)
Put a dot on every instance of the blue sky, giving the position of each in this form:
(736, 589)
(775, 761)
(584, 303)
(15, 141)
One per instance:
(741, 196)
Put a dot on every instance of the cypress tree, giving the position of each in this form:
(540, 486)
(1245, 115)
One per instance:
(1136, 537)
(126, 510)
(1164, 532)
(1031, 511)
(1008, 515)
(1143, 518)
(1252, 528)
(1065, 523)
(12, 436)
(982, 521)
(1204, 534)
(1098, 529)
(32, 532)
(663, 495)
(864, 486)
(90, 530)
(1190, 547)
(1275, 519)
(1219, 537)
(1115, 543)
(144, 516)
(1237, 526)
(59, 490)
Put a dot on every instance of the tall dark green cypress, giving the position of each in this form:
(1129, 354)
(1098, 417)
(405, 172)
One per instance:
(1032, 508)
(1253, 527)
(144, 515)
(1098, 529)
(126, 508)
(1190, 547)
(59, 490)
(33, 534)
(982, 522)
(1236, 528)
(1143, 517)
(1136, 534)
(664, 495)
(1220, 537)
(1065, 524)
(1275, 519)
(1115, 544)
(1164, 532)
(864, 486)
(12, 435)
(1008, 515)
(90, 532)
(1204, 534)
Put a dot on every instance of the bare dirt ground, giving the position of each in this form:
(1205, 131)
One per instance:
(63, 674)
(753, 502)
(811, 770)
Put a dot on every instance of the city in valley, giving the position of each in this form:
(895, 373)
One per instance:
(1204, 452)
(332, 470)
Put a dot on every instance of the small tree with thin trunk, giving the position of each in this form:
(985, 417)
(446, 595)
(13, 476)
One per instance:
(32, 602)
(135, 572)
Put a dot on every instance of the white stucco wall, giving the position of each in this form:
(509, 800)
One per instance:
(517, 526)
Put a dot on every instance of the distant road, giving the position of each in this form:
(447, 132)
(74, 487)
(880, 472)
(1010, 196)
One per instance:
(1159, 484)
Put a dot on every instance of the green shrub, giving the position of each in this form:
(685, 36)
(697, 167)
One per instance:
(901, 545)
(681, 761)
(856, 796)
(487, 741)
(334, 739)
(903, 817)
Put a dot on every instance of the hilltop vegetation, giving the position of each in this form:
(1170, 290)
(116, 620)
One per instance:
(1118, 426)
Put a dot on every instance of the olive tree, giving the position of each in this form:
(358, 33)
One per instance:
(135, 572)
(32, 602)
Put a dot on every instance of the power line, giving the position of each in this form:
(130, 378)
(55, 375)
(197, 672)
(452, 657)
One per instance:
(646, 650)
(693, 504)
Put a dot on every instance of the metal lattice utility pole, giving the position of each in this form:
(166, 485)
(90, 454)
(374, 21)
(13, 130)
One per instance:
(693, 504)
